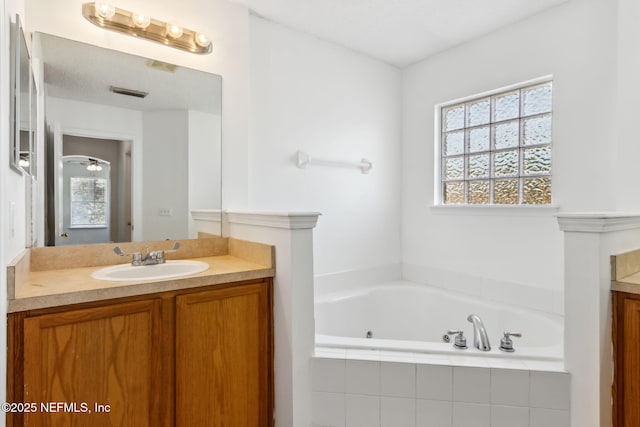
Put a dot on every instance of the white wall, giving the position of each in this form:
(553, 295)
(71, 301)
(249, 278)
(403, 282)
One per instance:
(204, 172)
(165, 174)
(575, 43)
(311, 95)
(625, 165)
(204, 149)
(78, 115)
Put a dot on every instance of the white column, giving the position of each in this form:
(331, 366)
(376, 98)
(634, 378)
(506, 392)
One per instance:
(292, 235)
(589, 241)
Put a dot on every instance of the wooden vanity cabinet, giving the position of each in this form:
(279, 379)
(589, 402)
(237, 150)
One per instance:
(229, 328)
(626, 351)
(182, 358)
(103, 355)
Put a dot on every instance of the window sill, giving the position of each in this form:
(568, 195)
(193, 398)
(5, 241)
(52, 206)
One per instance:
(80, 227)
(496, 210)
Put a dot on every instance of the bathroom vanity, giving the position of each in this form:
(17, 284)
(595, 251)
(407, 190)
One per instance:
(188, 351)
(625, 284)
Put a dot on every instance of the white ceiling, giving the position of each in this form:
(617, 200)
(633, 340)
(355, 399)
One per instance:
(399, 32)
(83, 72)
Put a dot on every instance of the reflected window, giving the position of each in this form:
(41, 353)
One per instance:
(88, 201)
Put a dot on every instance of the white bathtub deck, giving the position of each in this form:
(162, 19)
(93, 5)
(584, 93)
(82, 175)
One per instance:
(474, 358)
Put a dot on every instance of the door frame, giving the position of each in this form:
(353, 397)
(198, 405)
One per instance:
(136, 170)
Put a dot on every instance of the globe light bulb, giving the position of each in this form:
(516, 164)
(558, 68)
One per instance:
(140, 21)
(105, 10)
(174, 31)
(202, 40)
(94, 166)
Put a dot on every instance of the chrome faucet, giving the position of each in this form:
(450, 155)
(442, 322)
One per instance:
(480, 338)
(149, 258)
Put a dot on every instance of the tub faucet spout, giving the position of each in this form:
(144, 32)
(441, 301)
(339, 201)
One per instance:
(480, 338)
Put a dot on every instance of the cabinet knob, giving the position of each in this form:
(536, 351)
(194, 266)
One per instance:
(65, 234)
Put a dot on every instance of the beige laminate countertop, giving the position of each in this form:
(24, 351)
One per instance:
(629, 284)
(625, 272)
(65, 286)
(75, 285)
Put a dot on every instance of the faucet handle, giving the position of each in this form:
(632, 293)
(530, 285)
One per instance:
(175, 247)
(120, 252)
(160, 254)
(460, 341)
(506, 344)
(136, 257)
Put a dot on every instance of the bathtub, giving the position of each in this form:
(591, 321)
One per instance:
(402, 316)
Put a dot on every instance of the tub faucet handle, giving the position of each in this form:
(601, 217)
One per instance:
(460, 341)
(506, 344)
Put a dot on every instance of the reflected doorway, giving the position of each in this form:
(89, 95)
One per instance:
(95, 202)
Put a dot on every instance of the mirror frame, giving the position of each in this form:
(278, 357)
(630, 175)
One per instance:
(17, 40)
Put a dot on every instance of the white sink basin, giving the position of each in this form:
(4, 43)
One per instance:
(168, 270)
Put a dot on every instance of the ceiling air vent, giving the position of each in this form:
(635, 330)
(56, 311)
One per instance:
(162, 66)
(128, 92)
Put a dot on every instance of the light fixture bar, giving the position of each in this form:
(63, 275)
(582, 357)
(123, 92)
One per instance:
(123, 21)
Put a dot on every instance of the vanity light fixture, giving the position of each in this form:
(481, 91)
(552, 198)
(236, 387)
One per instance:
(113, 18)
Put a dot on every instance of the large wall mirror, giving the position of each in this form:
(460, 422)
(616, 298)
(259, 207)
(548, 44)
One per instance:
(133, 145)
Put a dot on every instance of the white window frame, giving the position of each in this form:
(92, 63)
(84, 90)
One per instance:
(438, 202)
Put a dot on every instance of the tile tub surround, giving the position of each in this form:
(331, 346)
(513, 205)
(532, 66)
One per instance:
(350, 392)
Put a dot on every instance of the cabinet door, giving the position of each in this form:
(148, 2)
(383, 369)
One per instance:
(631, 362)
(98, 356)
(224, 359)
